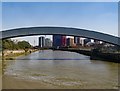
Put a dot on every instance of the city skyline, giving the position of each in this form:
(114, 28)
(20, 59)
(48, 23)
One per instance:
(96, 16)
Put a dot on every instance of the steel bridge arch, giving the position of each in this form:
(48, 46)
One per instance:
(19, 32)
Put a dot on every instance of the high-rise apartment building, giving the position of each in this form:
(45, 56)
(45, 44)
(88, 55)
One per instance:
(41, 41)
(57, 41)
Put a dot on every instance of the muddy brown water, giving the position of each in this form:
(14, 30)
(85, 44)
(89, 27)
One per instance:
(49, 69)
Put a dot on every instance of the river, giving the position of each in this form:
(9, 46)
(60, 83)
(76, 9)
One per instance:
(49, 69)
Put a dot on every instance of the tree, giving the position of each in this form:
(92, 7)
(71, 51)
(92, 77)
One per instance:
(8, 44)
(24, 45)
(11, 45)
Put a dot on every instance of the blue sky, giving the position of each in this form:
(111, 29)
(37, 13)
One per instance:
(60, 0)
(96, 16)
(0, 16)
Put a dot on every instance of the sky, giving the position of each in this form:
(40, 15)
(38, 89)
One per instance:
(0, 11)
(60, 0)
(95, 16)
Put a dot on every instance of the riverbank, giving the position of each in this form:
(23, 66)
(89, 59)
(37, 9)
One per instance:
(13, 54)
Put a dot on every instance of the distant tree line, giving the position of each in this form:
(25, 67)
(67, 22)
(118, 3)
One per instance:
(12, 45)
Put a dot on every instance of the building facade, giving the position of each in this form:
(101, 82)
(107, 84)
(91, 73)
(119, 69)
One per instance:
(41, 41)
(75, 39)
(48, 42)
(64, 41)
(68, 42)
(57, 41)
(72, 42)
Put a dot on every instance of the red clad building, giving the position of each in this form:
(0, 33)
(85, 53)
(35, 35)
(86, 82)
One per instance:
(64, 41)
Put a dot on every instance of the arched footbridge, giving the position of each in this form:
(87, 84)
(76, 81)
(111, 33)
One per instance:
(19, 32)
